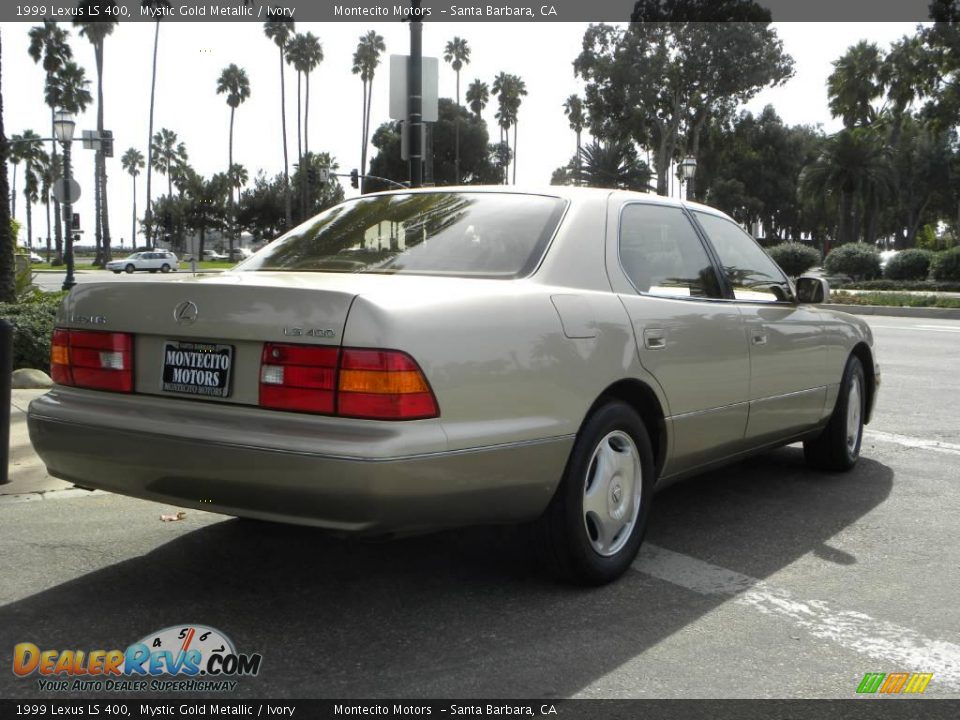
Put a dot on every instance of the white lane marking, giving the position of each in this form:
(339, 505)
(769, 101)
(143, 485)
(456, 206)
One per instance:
(912, 442)
(894, 645)
(925, 328)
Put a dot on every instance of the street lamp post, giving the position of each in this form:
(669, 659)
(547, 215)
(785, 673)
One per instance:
(688, 168)
(63, 126)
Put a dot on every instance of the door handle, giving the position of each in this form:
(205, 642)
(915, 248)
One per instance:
(759, 338)
(654, 339)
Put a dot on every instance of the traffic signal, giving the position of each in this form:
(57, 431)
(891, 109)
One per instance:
(354, 178)
(106, 143)
(312, 176)
(75, 221)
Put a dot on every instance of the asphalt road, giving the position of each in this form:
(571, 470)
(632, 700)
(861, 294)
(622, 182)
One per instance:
(760, 580)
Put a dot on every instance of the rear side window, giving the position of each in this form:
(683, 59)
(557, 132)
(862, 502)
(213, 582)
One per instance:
(662, 254)
(493, 235)
(749, 270)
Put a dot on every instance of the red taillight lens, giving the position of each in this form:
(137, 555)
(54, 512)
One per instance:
(372, 384)
(89, 359)
(298, 377)
(383, 385)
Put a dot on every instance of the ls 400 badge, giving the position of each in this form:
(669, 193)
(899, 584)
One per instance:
(309, 332)
(88, 319)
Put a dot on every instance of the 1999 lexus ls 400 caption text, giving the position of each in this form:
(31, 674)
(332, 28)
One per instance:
(422, 359)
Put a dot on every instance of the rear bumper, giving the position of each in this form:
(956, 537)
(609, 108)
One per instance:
(346, 476)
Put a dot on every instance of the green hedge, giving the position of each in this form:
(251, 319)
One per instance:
(794, 258)
(894, 300)
(858, 260)
(911, 264)
(32, 321)
(914, 285)
(946, 265)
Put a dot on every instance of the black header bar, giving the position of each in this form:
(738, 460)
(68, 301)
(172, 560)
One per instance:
(471, 11)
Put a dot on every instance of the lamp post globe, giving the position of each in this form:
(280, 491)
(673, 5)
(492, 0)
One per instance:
(688, 169)
(63, 125)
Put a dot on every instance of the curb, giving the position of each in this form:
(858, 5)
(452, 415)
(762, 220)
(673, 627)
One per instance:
(33, 496)
(936, 313)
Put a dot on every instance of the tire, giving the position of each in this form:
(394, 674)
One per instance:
(165, 268)
(593, 527)
(837, 448)
(130, 268)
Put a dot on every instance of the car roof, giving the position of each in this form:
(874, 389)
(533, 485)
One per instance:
(567, 192)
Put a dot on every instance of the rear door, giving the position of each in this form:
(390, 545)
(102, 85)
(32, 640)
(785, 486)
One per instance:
(688, 337)
(788, 352)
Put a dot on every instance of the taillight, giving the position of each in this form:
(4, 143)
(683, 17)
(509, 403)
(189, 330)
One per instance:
(298, 377)
(353, 382)
(383, 384)
(91, 359)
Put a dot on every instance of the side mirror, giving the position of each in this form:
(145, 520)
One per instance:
(813, 290)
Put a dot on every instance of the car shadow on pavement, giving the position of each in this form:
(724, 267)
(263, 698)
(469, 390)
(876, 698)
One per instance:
(455, 614)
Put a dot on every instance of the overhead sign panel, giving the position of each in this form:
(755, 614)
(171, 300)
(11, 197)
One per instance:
(429, 90)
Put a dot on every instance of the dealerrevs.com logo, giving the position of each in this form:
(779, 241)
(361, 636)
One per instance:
(181, 658)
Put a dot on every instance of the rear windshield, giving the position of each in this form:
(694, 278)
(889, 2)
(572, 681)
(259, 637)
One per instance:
(466, 234)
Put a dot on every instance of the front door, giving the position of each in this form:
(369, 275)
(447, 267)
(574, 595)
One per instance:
(688, 338)
(788, 353)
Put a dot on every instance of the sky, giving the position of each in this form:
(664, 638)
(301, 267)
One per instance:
(192, 55)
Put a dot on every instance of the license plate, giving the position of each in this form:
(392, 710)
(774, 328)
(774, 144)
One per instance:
(197, 368)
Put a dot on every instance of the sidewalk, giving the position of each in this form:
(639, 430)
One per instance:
(28, 476)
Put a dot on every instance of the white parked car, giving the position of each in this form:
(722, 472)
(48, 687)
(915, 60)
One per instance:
(153, 260)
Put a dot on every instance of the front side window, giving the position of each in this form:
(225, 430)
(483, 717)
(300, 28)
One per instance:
(749, 270)
(493, 235)
(662, 255)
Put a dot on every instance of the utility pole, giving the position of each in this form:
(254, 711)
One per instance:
(415, 93)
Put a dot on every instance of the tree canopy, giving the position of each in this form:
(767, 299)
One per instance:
(660, 83)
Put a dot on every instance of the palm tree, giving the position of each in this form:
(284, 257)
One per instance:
(238, 175)
(30, 151)
(573, 109)
(311, 55)
(501, 86)
(132, 162)
(305, 53)
(67, 89)
(96, 32)
(152, 5)
(49, 47)
(478, 95)
(167, 154)
(234, 83)
(365, 60)
(854, 167)
(51, 172)
(855, 83)
(457, 53)
(509, 89)
(294, 52)
(613, 164)
(280, 31)
(205, 208)
(8, 271)
(15, 156)
(518, 89)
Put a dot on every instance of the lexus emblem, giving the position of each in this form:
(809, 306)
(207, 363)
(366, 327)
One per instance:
(186, 313)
